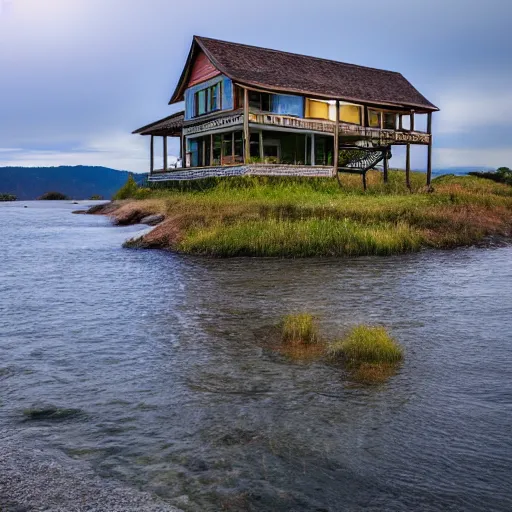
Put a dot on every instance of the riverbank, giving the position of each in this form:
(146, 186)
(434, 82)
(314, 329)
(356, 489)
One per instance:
(303, 218)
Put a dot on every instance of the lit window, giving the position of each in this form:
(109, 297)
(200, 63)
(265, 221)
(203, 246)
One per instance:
(374, 118)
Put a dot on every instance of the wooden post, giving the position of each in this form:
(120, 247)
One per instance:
(152, 155)
(261, 146)
(165, 153)
(337, 142)
(408, 167)
(400, 122)
(247, 137)
(181, 148)
(385, 164)
(313, 149)
(429, 154)
(211, 150)
(412, 120)
(184, 152)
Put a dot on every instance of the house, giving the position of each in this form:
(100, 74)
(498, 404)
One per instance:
(257, 111)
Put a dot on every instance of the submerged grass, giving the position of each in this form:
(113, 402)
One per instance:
(299, 328)
(288, 217)
(300, 339)
(369, 354)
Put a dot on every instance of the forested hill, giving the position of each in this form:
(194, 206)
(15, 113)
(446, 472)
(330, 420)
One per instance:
(78, 182)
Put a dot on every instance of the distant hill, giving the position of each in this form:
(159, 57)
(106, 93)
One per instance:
(78, 182)
(458, 171)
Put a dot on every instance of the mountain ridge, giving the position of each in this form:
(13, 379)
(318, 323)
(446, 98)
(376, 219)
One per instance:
(76, 182)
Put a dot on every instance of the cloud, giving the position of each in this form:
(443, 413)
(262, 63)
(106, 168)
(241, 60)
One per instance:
(475, 107)
(117, 150)
(473, 157)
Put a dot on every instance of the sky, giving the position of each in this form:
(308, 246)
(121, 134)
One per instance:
(78, 76)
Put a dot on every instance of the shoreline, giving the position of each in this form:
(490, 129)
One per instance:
(37, 478)
(298, 219)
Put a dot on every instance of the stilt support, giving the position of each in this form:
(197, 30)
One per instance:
(408, 167)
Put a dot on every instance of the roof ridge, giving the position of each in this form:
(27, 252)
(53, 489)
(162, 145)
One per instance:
(297, 54)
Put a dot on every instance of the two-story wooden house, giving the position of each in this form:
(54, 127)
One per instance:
(257, 111)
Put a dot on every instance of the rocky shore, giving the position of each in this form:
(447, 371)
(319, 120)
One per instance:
(36, 479)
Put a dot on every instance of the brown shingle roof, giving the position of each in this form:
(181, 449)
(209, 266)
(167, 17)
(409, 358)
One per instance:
(170, 126)
(301, 74)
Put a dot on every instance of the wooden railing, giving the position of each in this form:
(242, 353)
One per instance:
(382, 136)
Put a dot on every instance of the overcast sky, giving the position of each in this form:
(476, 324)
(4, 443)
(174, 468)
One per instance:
(78, 76)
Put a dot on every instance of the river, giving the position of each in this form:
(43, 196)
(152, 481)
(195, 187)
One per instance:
(165, 362)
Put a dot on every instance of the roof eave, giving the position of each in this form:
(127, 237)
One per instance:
(426, 107)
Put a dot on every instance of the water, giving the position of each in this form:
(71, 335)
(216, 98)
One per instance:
(167, 360)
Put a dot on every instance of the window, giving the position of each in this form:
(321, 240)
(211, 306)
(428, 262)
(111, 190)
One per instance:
(201, 102)
(255, 145)
(217, 149)
(227, 145)
(260, 101)
(374, 118)
(207, 100)
(239, 145)
(350, 114)
(390, 121)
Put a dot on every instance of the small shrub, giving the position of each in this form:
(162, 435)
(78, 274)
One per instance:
(299, 328)
(365, 344)
(128, 190)
(7, 197)
(53, 196)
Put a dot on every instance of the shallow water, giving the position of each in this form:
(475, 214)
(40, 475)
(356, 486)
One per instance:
(167, 361)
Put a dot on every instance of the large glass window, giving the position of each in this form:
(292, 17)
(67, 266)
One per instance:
(208, 100)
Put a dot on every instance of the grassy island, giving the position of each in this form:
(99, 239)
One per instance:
(314, 217)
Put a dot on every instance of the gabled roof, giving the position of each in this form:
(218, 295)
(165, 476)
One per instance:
(300, 74)
(170, 126)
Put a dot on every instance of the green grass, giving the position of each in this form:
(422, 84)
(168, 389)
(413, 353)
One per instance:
(366, 344)
(299, 328)
(301, 238)
(300, 217)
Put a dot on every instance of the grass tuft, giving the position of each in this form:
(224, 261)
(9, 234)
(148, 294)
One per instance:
(299, 328)
(366, 344)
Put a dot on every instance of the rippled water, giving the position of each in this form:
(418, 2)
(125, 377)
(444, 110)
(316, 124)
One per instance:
(178, 394)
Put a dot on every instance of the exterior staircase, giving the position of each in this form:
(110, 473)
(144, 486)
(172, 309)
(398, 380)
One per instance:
(360, 160)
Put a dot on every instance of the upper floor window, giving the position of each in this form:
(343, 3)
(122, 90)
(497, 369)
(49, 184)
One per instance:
(207, 100)
(390, 121)
(374, 118)
(260, 101)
